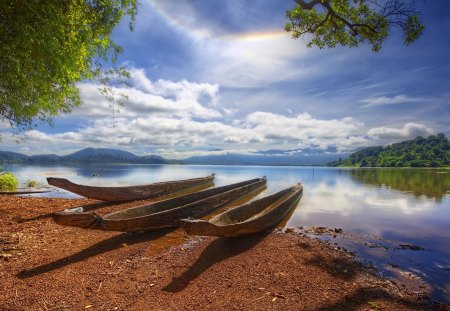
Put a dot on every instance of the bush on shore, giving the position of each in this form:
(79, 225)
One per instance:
(32, 183)
(8, 182)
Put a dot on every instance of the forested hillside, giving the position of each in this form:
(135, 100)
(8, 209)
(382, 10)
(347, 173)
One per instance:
(433, 151)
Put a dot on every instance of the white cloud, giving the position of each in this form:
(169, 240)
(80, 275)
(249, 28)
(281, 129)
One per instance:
(305, 131)
(183, 99)
(409, 130)
(182, 90)
(35, 135)
(395, 100)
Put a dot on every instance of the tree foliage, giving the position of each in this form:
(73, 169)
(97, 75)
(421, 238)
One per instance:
(433, 151)
(47, 47)
(351, 22)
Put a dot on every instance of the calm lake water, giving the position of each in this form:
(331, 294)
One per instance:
(378, 209)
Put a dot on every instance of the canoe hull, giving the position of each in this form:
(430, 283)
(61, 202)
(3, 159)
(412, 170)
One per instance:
(117, 194)
(247, 219)
(166, 213)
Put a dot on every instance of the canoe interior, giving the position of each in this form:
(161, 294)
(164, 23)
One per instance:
(172, 217)
(173, 203)
(252, 210)
(249, 218)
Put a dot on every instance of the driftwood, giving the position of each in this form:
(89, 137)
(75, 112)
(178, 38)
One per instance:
(22, 192)
(249, 218)
(162, 214)
(116, 194)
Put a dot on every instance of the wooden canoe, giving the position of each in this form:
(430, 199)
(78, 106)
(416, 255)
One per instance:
(162, 214)
(117, 194)
(249, 218)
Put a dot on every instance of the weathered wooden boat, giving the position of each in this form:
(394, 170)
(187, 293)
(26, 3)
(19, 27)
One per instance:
(162, 214)
(151, 191)
(249, 218)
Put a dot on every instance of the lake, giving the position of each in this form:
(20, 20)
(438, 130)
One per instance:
(383, 212)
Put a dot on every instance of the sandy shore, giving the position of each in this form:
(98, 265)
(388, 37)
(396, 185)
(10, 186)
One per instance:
(44, 266)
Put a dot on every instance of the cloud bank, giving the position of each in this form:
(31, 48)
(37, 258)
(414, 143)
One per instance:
(181, 118)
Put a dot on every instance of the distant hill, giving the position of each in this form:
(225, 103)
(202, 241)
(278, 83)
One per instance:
(9, 155)
(88, 155)
(104, 155)
(433, 151)
(265, 159)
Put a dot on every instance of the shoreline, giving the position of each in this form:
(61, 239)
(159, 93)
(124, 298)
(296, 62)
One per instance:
(217, 164)
(46, 266)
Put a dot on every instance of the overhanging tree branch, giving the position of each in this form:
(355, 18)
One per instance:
(47, 47)
(350, 22)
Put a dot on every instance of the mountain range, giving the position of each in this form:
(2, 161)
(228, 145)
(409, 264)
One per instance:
(105, 155)
(88, 155)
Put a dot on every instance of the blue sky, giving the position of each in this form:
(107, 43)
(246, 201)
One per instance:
(210, 77)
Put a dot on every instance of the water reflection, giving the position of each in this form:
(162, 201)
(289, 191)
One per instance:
(434, 184)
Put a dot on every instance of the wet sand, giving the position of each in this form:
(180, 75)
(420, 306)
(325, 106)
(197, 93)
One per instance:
(44, 266)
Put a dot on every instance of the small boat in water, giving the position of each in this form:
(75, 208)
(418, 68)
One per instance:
(162, 214)
(249, 218)
(143, 192)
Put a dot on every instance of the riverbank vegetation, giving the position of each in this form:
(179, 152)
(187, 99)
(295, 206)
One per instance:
(433, 151)
(8, 182)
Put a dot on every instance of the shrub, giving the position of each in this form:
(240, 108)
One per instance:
(8, 182)
(32, 183)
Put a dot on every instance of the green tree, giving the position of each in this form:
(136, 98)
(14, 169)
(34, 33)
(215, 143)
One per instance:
(433, 151)
(350, 22)
(46, 47)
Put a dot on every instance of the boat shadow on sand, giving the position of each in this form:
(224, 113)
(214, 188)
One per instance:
(217, 251)
(224, 248)
(104, 246)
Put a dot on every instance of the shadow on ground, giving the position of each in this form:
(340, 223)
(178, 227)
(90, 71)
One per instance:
(371, 299)
(217, 251)
(104, 246)
(337, 267)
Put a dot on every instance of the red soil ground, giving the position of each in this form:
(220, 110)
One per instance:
(44, 266)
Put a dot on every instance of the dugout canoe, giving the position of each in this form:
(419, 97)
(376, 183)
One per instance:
(162, 214)
(249, 218)
(131, 193)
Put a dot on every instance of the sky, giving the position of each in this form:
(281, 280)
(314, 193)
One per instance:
(215, 77)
